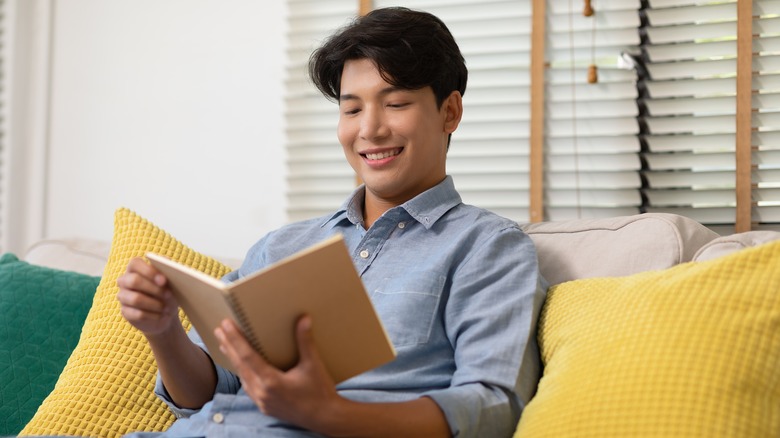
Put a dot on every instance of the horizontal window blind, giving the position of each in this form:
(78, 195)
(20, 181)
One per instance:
(591, 134)
(656, 132)
(689, 108)
(592, 160)
(591, 140)
(488, 157)
(318, 176)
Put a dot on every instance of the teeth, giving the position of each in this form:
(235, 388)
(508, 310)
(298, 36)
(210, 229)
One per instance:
(381, 155)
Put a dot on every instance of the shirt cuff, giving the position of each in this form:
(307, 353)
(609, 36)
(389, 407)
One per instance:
(227, 383)
(476, 410)
(162, 393)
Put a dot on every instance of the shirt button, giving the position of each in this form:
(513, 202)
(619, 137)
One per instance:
(364, 254)
(218, 418)
(401, 225)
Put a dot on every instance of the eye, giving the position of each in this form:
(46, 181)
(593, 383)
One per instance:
(351, 111)
(398, 105)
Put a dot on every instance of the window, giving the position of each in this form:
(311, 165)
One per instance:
(319, 179)
(488, 156)
(591, 130)
(689, 109)
(655, 132)
(592, 159)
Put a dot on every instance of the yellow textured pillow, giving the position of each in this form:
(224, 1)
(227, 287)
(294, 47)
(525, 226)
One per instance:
(689, 351)
(106, 387)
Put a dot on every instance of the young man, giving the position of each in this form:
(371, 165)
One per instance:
(457, 287)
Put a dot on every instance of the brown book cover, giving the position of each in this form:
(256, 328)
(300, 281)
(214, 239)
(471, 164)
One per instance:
(320, 281)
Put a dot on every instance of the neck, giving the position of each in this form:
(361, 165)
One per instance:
(373, 208)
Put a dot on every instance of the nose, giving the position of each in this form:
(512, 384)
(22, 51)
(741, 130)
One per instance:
(372, 123)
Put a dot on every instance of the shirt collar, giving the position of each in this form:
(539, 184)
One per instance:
(426, 208)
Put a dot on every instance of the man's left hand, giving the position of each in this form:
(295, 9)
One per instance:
(297, 395)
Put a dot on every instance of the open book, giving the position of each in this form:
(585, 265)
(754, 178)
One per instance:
(320, 281)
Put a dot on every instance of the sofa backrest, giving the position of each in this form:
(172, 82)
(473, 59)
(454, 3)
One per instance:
(87, 256)
(616, 246)
(80, 255)
(568, 250)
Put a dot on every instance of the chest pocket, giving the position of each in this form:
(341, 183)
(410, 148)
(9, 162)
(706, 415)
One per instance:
(407, 305)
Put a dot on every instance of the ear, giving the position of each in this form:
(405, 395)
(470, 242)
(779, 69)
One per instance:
(452, 108)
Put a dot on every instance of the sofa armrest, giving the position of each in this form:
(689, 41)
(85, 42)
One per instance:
(727, 244)
(616, 246)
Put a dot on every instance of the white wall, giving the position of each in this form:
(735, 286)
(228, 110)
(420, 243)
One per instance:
(172, 108)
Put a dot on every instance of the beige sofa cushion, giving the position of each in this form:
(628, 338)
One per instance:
(87, 256)
(727, 244)
(79, 255)
(617, 246)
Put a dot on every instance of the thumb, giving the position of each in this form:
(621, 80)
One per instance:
(306, 348)
(309, 355)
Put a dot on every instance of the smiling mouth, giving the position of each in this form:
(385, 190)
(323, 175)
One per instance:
(384, 154)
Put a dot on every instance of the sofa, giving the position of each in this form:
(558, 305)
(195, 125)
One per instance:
(654, 326)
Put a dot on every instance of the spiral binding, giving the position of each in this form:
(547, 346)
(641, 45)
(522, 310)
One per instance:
(247, 329)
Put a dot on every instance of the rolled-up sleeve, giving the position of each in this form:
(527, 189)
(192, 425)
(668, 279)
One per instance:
(490, 317)
(227, 382)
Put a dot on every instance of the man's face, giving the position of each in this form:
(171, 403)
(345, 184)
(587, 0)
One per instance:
(395, 139)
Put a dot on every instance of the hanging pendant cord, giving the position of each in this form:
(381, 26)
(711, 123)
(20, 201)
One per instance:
(575, 142)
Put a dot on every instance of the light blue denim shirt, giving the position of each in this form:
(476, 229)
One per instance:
(459, 292)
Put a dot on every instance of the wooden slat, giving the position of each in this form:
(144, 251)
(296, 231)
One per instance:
(365, 6)
(536, 170)
(744, 220)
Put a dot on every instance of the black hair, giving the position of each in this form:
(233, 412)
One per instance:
(411, 49)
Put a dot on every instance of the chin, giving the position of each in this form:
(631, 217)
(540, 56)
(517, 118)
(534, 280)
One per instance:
(384, 191)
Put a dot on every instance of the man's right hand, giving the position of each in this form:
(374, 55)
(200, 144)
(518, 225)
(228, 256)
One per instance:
(146, 302)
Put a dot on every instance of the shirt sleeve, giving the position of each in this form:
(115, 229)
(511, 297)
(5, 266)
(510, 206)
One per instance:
(227, 382)
(491, 316)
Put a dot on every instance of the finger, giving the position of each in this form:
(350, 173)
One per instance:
(139, 292)
(141, 267)
(251, 368)
(137, 282)
(306, 348)
(141, 301)
(132, 314)
(237, 348)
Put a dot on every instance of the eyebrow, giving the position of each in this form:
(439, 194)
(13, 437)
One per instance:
(384, 91)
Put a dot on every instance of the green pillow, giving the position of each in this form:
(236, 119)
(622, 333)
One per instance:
(42, 311)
